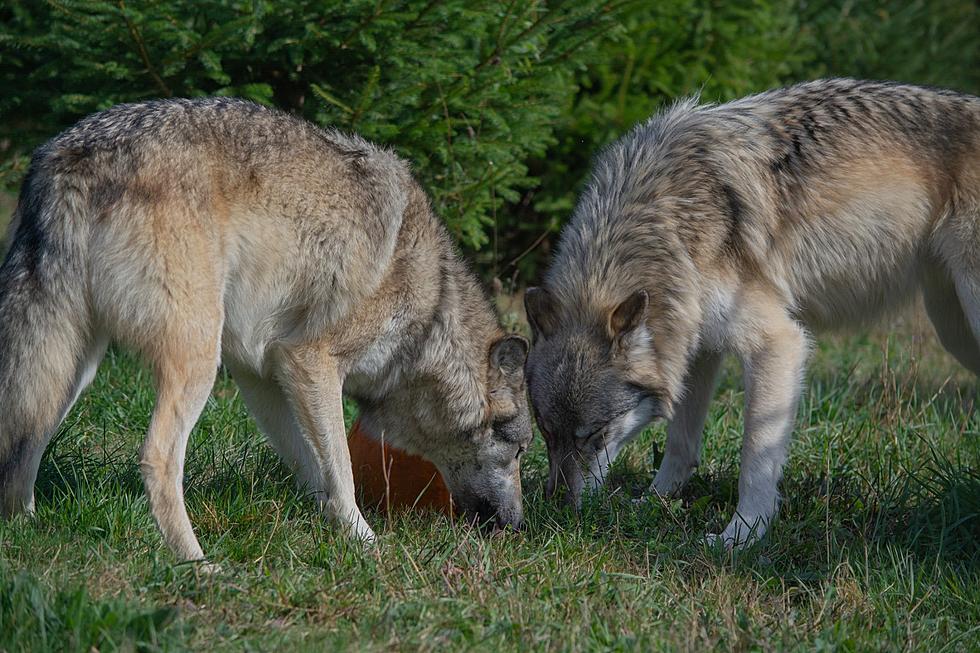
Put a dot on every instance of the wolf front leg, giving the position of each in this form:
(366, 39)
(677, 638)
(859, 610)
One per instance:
(683, 448)
(312, 384)
(774, 358)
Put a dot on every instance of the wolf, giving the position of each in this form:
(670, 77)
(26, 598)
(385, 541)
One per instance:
(744, 228)
(306, 260)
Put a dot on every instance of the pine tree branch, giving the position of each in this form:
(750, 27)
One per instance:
(141, 47)
(378, 10)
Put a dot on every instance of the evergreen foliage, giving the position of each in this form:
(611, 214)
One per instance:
(500, 106)
(465, 91)
(935, 42)
(669, 50)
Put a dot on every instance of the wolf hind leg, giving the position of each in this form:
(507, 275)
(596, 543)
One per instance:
(946, 312)
(47, 358)
(968, 290)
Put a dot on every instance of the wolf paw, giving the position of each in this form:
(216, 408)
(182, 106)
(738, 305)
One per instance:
(717, 540)
(660, 490)
(644, 498)
(201, 567)
(362, 532)
(668, 485)
(737, 536)
(207, 568)
(656, 498)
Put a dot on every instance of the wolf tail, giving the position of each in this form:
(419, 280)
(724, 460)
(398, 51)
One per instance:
(45, 331)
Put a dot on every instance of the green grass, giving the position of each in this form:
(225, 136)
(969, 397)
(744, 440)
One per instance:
(876, 548)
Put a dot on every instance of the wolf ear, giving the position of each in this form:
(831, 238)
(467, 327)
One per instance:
(540, 308)
(629, 315)
(506, 377)
(507, 357)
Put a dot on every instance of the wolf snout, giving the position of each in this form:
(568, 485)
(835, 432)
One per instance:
(503, 521)
(564, 480)
(503, 525)
(493, 519)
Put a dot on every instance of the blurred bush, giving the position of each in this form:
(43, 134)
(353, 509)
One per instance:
(466, 91)
(669, 50)
(500, 106)
(935, 42)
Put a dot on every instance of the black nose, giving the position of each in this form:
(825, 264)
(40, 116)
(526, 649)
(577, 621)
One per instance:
(516, 525)
(491, 520)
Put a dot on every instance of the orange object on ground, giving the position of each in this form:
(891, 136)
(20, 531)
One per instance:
(392, 479)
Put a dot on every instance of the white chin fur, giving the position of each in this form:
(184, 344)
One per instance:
(624, 429)
(632, 423)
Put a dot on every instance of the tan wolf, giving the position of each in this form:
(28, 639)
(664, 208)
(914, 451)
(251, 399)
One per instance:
(742, 228)
(308, 261)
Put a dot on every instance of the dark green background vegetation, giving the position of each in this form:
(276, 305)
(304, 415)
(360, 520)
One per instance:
(498, 105)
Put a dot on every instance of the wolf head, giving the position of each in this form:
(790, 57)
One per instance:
(590, 386)
(620, 313)
(484, 477)
(475, 432)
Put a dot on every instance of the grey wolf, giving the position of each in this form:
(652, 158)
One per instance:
(308, 261)
(744, 228)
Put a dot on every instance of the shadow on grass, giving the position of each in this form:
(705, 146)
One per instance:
(934, 511)
(931, 511)
(213, 473)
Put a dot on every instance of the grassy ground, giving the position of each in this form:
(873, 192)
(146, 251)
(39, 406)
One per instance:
(876, 549)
